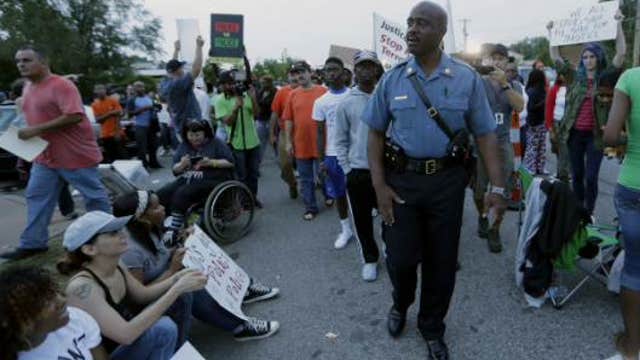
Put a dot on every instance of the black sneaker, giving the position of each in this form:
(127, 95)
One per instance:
(254, 329)
(258, 292)
(495, 245)
(19, 254)
(483, 227)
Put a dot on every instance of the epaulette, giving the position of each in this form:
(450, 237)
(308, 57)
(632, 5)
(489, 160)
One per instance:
(462, 63)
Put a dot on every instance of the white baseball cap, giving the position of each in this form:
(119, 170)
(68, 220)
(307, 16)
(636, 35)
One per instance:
(89, 225)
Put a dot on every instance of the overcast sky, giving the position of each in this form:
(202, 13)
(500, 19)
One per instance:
(306, 28)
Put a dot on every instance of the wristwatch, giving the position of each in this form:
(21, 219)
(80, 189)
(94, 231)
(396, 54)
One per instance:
(498, 190)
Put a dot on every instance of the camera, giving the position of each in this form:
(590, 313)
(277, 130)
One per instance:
(484, 70)
(239, 83)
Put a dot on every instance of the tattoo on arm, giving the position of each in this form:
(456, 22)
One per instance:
(82, 292)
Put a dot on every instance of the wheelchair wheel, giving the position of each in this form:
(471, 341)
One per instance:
(229, 211)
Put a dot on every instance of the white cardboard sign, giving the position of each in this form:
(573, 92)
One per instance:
(188, 31)
(586, 24)
(25, 149)
(187, 352)
(227, 282)
(389, 41)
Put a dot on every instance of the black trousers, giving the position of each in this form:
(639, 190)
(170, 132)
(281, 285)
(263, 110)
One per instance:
(113, 149)
(427, 231)
(147, 145)
(65, 201)
(178, 196)
(248, 167)
(362, 200)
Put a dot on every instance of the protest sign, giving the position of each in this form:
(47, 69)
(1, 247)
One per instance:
(227, 38)
(187, 352)
(188, 31)
(26, 149)
(586, 24)
(227, 283)
(389, 41)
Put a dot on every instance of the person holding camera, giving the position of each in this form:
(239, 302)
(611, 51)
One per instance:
(200, 163)
(504, 97)
(428, 104)
(237, 109)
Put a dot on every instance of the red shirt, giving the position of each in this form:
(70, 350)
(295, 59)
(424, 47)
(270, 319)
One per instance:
(72, 147)
(586, 120)
(550, 105)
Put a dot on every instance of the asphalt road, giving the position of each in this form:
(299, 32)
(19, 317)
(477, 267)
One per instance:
(322, 294)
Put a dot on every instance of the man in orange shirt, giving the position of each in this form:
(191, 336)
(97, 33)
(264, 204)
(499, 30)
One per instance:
(107, 112)
(301, 133)
(278, 134)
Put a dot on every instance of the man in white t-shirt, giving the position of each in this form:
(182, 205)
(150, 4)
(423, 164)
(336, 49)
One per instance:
(72, 341)
(200, 90)
(324, 112)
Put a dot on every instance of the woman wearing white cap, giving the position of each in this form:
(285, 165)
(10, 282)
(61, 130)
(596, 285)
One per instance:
(110, 294)
(151, 261)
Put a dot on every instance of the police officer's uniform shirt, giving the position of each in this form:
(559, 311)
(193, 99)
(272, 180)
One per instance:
(454, 88)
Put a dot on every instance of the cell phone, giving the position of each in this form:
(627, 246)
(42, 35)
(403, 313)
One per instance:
(196, 159)
(484, 70)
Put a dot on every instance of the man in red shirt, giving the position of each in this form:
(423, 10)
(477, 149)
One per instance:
(108, 111)
(278, 133)
(53, 111)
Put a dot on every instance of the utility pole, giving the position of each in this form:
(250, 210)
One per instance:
(465, 32)
(636, 37)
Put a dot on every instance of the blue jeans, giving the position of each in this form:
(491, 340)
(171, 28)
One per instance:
(43, 191)
(307, 168)
(247, 167)
(205, 309)
(581, 145)
(262, 127)
(627, 202)
(157, 343)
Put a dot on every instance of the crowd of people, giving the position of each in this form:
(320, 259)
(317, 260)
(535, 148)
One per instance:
(405, 143)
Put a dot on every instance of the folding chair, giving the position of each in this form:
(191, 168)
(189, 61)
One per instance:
(605, 237)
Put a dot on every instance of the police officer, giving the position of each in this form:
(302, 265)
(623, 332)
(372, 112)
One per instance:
(421, 198)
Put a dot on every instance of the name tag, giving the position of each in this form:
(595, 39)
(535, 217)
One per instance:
(499, 118)
(402, 97)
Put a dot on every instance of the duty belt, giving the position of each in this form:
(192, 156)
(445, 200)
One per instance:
(427, 166)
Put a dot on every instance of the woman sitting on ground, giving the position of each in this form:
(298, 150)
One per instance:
(150, 261)
(200, 163)
(111, 295)
(37, 324)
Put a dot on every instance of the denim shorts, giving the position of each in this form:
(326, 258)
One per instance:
(627, 202)
(336, 181)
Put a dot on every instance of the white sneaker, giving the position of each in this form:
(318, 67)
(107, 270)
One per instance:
(370, 272)
(343, 240)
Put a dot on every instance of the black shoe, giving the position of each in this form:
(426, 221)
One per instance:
(19, 254)
(254, 329)
(483, 227)
(258, 292)
(495, 245)
(395, 322)
(437, 350)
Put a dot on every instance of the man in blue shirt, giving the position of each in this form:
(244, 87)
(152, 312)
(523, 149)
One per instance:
(422, 199)
(141, 107)
(182, 101)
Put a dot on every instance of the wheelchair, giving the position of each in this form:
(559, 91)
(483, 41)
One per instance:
(225, 215)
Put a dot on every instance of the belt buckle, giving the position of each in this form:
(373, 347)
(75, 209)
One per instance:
(433, 112)
(430, 167)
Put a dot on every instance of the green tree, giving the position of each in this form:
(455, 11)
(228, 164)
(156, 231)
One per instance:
(533, 48)
(96, 38)
(277, 68)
